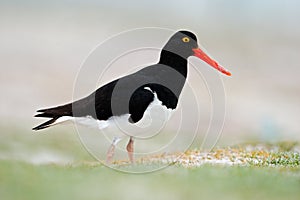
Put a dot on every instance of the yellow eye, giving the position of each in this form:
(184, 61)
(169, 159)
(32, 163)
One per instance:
(185, 39)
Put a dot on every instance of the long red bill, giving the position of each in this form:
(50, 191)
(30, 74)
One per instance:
(203, 56)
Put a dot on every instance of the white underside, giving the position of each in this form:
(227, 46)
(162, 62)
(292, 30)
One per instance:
(153, 120)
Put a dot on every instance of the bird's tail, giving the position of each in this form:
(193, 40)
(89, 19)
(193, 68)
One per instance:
(45, 124)
(54, 114)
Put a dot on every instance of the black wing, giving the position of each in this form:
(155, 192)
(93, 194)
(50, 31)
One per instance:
(126, 95)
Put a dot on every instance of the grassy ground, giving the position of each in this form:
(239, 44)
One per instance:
(26, 181)
(246, 171)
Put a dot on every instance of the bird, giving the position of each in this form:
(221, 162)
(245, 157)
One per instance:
(130, 97)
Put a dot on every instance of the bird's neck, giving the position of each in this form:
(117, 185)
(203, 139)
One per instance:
(175, 61)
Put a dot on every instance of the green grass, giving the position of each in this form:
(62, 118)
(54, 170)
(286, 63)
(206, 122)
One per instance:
(269, 173)
(19, 180)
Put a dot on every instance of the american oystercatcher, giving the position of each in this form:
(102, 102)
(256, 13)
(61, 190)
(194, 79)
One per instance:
(131, 96)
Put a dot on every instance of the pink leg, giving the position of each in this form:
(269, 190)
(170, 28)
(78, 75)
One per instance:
(130, 150)
(110, 154)
(111, 150)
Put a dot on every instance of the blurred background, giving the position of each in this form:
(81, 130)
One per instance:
(43, 44)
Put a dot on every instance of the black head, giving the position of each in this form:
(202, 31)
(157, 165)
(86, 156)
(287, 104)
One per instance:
(183, 44)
